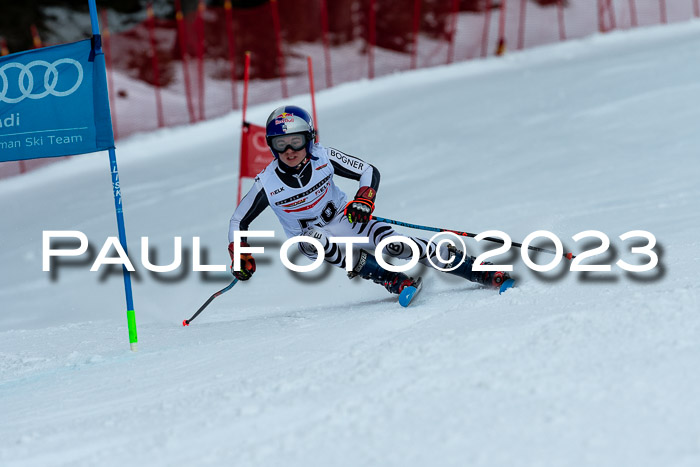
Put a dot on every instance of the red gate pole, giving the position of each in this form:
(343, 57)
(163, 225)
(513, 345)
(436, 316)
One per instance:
(182, 40)
(487, 23)
(371, 37)
(3, 47)
(309, 64)
(453, 32)
(244, 126)
(605, 6)
(199, 31)
(501, 47)
(36, 39)
(151, 23)
(633, 13)
(278, 39)
(521, 25)
(662, 8)
(231, 50)
(326, 43)
(560, 14)
(601, 15)
(696, 8)
(246, 78)
(611, 11)
(106, 42)
(416, 26)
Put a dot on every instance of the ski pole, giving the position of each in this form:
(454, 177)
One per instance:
(187, 322)
(466, 234)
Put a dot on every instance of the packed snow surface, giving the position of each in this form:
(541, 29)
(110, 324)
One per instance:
(569, 368)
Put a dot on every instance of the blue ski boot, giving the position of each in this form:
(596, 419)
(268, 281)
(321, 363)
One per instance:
(487, 278)
(368, 268)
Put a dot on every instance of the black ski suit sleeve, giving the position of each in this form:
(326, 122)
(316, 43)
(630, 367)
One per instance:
(252, 204)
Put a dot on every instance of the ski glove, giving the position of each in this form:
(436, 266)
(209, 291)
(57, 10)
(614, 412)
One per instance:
(359, 210)
(247, 262)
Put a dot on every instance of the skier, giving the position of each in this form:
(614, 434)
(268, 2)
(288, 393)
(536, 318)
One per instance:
(298, 185)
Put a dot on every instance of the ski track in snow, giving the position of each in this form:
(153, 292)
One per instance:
(597, 369)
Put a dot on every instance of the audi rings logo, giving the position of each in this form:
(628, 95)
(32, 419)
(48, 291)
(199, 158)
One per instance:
(25, 80)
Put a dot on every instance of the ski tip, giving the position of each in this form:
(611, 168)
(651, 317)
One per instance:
(406, 296)
(506, 285)
(409, 293)
(185, 322)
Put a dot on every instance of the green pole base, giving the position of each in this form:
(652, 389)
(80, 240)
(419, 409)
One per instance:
(133, 337)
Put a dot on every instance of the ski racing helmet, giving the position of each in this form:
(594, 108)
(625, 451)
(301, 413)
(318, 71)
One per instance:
(287, 120)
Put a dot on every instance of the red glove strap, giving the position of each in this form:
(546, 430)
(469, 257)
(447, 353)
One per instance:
(367, 193)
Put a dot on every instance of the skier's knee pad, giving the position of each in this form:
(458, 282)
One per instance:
(396, 249)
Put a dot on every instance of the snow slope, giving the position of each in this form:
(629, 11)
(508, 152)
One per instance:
(290, 369)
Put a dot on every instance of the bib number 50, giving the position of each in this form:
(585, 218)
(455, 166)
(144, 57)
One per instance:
(327, 215)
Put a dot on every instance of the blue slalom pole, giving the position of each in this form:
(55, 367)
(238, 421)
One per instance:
(186, 322)
(93, 18)
(130, 314)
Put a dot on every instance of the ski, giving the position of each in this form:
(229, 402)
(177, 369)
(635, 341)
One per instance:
(410, 292)
(506, 285)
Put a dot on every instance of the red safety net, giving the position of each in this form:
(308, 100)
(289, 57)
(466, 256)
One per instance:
(167, 72)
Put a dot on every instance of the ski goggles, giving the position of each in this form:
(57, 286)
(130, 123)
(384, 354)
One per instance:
(281, 143)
